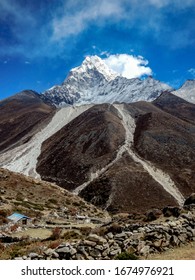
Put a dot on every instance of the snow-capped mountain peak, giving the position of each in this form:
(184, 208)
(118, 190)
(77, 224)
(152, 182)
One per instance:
(94, 82)
(187, 91)
(95, 63)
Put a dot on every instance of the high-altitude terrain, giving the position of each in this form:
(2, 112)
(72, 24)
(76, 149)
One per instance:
(125, 145)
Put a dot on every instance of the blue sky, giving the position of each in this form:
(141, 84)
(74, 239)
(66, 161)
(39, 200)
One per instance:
(41, 40)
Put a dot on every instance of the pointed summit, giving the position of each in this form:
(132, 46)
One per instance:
(95, 63)
(94, 82)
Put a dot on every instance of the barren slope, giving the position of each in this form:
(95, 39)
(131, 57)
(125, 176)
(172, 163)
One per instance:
(20, 115)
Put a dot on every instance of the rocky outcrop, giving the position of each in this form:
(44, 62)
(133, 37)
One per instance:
(190, 199)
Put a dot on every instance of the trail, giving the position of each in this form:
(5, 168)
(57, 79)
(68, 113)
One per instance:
(158, 175)
(23, 159)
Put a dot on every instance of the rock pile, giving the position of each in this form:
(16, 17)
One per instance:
(141, 239)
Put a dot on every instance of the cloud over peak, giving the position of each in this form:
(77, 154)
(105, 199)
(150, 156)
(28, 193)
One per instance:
(129, 66)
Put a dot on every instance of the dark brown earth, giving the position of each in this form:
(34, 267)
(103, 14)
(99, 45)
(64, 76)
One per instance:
(163, 136)
(169, 141)
(131, 188)
(86, 144)
(20, 115)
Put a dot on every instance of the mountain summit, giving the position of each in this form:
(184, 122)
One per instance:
(93, 64)
(95, 82)
(187, 91)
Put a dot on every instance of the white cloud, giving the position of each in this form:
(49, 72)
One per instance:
(73, 22)
(192, 71)
(128, 66)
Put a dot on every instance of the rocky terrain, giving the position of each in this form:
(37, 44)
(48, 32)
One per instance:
(105, 146)
(94, 83)
(123, 238)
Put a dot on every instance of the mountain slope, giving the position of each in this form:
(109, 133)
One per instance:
(23, 158)
(86, 144)
(169, 143)
(176, 106)
(94, 82)
(120, 156)
(20, 115)
(187, 91)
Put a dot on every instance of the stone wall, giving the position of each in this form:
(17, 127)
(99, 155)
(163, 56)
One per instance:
(141, 239)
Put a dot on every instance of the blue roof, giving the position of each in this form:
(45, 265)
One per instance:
(16, 217)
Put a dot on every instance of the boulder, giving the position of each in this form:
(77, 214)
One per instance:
(96, 238)
(153, 215)
(190, 199)
(145, 250)
(171, 211)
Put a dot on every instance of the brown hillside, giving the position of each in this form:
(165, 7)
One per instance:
(20, 115)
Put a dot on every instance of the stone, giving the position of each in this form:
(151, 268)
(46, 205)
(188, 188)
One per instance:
(190, 199)
(95, 253)
(89, 243)
(64, 250)
(121, 235)
(182, 237)
(140, 245)
(90, 258)
(106, 252)
(73, 251)
(171, 211)
(158, 243)
(145, 250)
(111, 242)
(79, 257)
(129, 233)
(96, 238)
(174, 240)
(49, 252)
(153, 215)
(110, 235)
(99, 247)
(115, 252)
(33, 256)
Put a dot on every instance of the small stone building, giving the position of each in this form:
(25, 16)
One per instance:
(18, 218)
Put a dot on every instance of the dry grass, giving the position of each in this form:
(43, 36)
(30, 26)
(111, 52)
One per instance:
(184, 252)
(40, 233)
(33, 197)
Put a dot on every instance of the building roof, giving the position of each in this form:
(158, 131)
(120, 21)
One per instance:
(15, 217)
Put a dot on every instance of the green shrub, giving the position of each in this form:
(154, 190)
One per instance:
(126, 256)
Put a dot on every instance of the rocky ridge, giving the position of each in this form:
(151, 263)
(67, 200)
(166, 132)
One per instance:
(94, 82)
